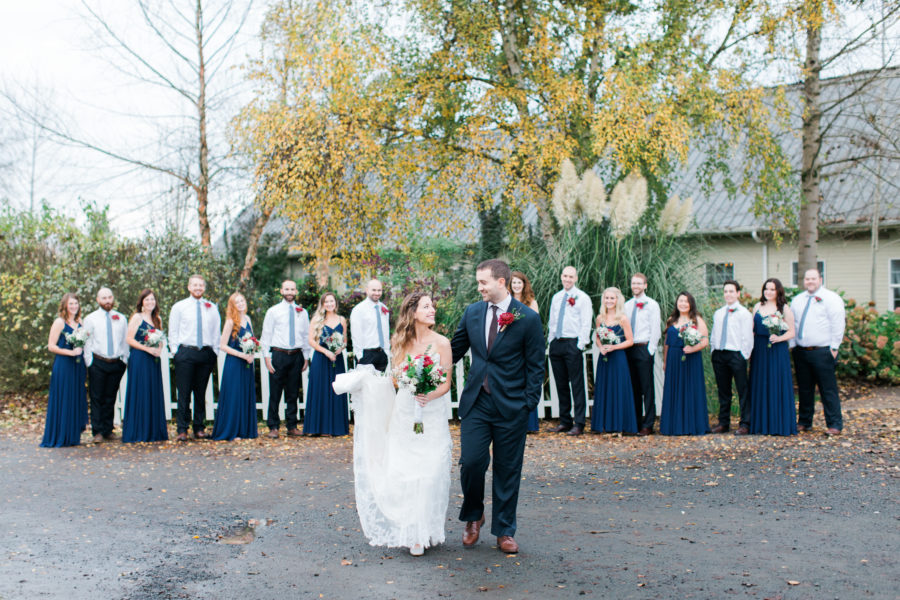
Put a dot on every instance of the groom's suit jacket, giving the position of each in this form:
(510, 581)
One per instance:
(515, 365)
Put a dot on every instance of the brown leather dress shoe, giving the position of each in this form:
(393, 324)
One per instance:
(802, 428)
(577, 430)
(182, 437)
(471, 532)
(832, 431)
(645, 432)
(273, 433)
(507, 544)
(200, 435)
(97, 439)
(109, 437)
(560, 429)
(294, 433)
(741, 431)
(720, 428)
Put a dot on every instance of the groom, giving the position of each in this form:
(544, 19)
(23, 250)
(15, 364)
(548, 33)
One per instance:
(502, 387)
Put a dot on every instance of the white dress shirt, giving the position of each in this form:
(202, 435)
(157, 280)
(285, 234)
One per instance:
(502, 307)
(824, 322)
(740, 329)
(647, 317)
(364, 326)
(276, 332)
(98, 342)
(577, 319)
(183, 324)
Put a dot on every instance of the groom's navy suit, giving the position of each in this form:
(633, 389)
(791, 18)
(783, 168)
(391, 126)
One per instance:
(514, 373)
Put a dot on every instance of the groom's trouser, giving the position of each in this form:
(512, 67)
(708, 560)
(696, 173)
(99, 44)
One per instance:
(568, 367)
(480, 428)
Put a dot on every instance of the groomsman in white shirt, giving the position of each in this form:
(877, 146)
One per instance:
(644, 314)
(194, 332)
(731, 341)
(370, 329)
(571, 315)
(285, 346)
(820, 332)
(105, 355)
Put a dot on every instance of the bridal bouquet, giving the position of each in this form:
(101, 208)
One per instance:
(334, 342)
(690, 335)
(419, 375)
(249, 345)
(607, 336)
(775, 324)
(77, 339)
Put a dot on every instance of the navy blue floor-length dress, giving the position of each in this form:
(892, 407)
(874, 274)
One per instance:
(236, 414)
(771, 392)
(613, 409)
(145, 409)
(684, 409)
(326, 412)
(67, 413)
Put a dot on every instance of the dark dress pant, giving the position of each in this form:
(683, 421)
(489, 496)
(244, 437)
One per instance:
(568, 368)
(482, 427)
(285, 379)
(814, 368)
(103, 386)
(731, 366)
(192, 370)
(640, 367)
(375, 357)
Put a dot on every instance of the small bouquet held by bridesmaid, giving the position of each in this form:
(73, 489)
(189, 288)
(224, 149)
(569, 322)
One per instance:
(607, 336)
(690, 335)
(154, 338)
(334, 342)
(77, 339)
(249, 345)
(419, 375)
(775, 324)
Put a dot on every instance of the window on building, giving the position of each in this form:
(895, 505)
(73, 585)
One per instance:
(796, 281)
(895, 283)
(718, 273)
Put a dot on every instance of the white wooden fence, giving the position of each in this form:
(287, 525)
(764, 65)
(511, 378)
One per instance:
(547, 403)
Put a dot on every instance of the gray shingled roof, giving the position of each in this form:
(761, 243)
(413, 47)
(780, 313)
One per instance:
(848, 185)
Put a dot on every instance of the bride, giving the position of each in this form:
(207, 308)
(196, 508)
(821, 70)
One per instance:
(402, 478)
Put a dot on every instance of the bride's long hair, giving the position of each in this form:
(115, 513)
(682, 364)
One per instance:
(405, 330)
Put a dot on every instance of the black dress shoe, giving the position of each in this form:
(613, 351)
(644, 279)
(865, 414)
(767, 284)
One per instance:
(577, 430)
(720, 429)
(645, 432)
(560, 429)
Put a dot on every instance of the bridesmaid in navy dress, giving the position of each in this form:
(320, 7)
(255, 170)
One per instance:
(772, 410)
(236, 414)
(522, 291)
(613, 409)
(145, 409)
(326, 412)
(684, 410)
(67, 400)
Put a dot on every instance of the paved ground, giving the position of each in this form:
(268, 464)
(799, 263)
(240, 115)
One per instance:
(600, 516)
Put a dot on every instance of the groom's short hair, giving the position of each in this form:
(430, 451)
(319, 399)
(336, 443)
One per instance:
(499, 269)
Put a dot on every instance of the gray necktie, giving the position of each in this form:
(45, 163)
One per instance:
(633, 316)
(561, 315)
(291, 336)
(109, 339)
(803, 317)
(724, 337)
(199, 326)
(380, 329)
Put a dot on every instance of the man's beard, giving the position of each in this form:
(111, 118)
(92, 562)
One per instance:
(288, 298)
(107, 307)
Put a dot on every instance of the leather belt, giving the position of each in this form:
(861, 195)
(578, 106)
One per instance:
(285, 351)
(108, 360)
(640, 343)
(813, 347)
(191, 347)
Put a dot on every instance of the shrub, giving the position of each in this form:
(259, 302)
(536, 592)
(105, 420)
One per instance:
(871, 347)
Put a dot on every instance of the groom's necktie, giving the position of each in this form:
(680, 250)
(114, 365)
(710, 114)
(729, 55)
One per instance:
(724, 339)
(633, 316)
(380, 328)
(199, 326)
(561, 315)
(492, 335)
(109, 339)
(803, 317)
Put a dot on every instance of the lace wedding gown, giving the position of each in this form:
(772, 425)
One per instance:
(402, 479)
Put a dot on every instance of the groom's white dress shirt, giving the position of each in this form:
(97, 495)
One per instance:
(576, 319)
(740, 330)
(364, 326)
(502, 307)
(183, 324)
(824, 322)
(102, 336)
(277, 329)
(645, 326)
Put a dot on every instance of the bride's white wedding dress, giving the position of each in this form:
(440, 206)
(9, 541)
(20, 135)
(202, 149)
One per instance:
(402, 479)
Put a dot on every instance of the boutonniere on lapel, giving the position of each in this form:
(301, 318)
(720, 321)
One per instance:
(114, 317)
(207, 304)
(298, 309)
(508, 318)
(384, 310)
(572, 300)
(817, 298)
(641, 305)
(731, 310)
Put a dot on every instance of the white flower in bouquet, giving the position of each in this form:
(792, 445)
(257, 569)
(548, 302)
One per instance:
(154, 338)
(250, 345)
(419, 375)
(607, 337)
(690, 335)
(334, 342)
(775, 324)
(78, 339)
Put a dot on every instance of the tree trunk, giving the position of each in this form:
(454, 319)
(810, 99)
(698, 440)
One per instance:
(812, 140)
(323, 271)
(203, 181)
(253, 245)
